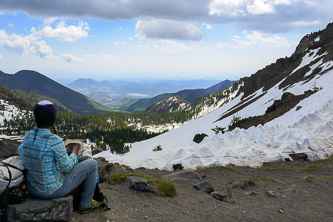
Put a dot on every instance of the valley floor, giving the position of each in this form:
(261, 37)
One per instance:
(284, 191)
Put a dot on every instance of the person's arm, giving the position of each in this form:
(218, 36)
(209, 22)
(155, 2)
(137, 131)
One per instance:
(65, 162)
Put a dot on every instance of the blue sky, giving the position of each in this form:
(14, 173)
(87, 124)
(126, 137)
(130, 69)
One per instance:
(153, 39)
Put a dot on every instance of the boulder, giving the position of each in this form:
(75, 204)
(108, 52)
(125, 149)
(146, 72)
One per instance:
(204, 186)
(199, 137)
(34, 209)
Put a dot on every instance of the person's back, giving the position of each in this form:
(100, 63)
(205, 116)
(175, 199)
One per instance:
(50, 171)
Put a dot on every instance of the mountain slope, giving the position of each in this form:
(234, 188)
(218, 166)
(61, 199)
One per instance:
(37, 83)
(305, 126)
(188, 94)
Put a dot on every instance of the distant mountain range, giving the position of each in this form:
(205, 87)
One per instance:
(33, 86)
(137, 89)
(38, 84)
(132, 105)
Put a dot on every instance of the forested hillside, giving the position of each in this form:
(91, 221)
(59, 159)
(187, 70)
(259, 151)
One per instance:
(37, 83)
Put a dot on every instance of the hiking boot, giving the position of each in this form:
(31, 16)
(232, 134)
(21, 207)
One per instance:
(93, 206)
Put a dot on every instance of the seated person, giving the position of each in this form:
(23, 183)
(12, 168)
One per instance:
(51, 172)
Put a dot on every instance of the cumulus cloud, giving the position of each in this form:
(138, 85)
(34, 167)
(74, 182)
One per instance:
(258, 7)
(62, 32)
(70, 58)
(166, 29)
(16, 43)
(260, 39)
(33, 43)
(24, 44)
(43, 49)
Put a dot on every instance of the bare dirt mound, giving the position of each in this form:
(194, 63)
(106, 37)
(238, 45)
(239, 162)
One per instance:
(280, 191)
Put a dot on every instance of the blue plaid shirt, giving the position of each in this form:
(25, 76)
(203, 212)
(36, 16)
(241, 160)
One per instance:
(45, 159)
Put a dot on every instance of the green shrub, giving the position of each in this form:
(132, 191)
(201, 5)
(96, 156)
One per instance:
(234, 121)
(218, 129)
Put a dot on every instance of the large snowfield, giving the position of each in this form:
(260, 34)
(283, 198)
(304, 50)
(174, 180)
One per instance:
(306, 130)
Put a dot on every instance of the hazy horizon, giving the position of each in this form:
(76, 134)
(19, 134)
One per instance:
(145, 39)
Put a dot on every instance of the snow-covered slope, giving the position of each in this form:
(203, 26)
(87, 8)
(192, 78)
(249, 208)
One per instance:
(306, 128)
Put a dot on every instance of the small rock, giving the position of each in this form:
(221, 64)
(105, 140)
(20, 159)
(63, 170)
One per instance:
(138, 183)
(271, 193)
(224, 195)
(204, 186)
(251, 193)
(247, 183)
(177, 166)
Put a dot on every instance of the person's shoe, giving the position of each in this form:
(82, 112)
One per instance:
(93, 206)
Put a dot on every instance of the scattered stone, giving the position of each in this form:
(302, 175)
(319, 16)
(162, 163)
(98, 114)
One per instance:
(247, 183)
(298, 108)
(251, 193)
(204, 186)
(280, 211)
(299, 156)
(199, 137)
(183, 175)
(177, 166)
(224, 195)
(138, 183)
(271, 193)
(33, 209)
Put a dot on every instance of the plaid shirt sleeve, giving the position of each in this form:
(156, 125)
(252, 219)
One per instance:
(64, 162)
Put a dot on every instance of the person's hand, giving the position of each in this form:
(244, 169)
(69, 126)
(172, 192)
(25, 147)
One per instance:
(69, 147)
(76, 148)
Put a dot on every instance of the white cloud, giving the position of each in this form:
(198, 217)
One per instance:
(15, 43)
(24, 44)
(167, 29)
(62, 32)
(260, 39)
(258, 7)
(242, 7)
(0, 56)
(70, 58)
(43, 49)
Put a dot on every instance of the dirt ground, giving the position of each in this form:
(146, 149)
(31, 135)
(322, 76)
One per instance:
(283, 191)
